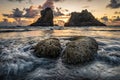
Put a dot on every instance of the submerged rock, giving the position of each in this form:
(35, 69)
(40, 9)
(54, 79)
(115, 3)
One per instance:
(84, 18)
(50, 48)
(80, 50)
(46, 18)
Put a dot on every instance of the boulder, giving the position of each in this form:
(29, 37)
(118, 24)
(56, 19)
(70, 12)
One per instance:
(46, 18)
(49, 48)
(84, 18)
(80, 51)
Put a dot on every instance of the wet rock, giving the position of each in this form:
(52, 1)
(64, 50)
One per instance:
(46, 18)
(84, 18)
(1, 49)
(50, 48)
(80, 50)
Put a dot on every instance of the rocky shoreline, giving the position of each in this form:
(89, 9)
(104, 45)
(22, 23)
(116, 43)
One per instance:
(73, 58)
(80, 50)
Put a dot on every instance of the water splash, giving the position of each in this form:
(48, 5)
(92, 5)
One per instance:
(17, 59)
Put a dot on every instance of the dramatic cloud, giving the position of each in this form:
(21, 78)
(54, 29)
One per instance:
(114, 4)
(48, 3)
(31, 12)
(57, 11)
(17, 13)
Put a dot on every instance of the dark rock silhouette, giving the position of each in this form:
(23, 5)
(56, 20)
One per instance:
(0, 50)
(84, 18)
(46, 18)
(50, 48)
(80, 51)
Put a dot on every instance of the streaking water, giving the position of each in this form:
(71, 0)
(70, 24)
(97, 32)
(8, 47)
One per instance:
(17, 61)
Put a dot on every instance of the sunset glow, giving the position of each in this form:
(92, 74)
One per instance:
(99, 9)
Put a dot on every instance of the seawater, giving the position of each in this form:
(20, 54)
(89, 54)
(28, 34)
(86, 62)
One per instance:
(17, 61)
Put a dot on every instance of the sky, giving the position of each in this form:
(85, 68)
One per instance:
(27, 11)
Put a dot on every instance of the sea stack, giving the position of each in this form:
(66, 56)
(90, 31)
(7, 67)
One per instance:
(46, 18)
(84, 18)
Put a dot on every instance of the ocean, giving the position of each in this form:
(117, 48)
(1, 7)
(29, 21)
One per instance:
(17, 61)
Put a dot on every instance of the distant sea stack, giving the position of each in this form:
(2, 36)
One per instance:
(46, 18)
(84, 18)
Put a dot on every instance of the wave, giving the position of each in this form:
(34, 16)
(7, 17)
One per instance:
(17, 60)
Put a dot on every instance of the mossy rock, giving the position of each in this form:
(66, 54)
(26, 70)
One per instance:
(50, 48)
(80, 50)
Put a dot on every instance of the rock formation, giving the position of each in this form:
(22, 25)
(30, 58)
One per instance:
(50, 48)
(46, 18)
(80, 51)
(84, 18)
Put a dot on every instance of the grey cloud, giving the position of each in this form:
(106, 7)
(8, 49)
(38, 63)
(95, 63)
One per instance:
(114, 4)
(48, 3)
(16, 0)
(105, 19)
(58, 0)
(58, 12)
(17, 13)
(116, 19)
(6, 23)
(30, 12)
(89, 0)
(31, 0)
